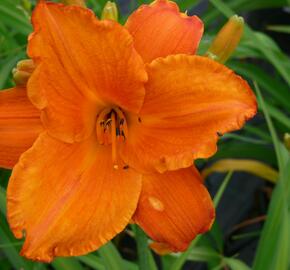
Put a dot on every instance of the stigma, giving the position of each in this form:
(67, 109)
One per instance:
(112, 129)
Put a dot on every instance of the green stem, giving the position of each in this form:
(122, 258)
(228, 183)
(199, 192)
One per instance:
(146, 260)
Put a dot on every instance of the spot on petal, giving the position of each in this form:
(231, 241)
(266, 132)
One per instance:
(156, 204)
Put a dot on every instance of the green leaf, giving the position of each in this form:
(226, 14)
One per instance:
(66, 264)
(185, 5)
(93, 261)
(6, 68)
(258, 132)
(271, 127)
(279, 28)
(11, 251)
(236, 264)
(274, 245)
(14, 17)
(8, 244)
(111, 257)
(243, 138)
(3, 201)
(232, 149)
(273, 250)
(278, 115)
(222, 188)
(145, 258)
(203, 254)
(244, 5)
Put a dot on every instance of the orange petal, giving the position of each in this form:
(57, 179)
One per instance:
(67, 199)
(173, 208)
(189, 100)
(19, 125)
(161, 248)
(160, 29)
(83, 64)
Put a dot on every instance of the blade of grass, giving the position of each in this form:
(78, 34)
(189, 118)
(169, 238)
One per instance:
(111, 257)
(242, 138)
(66, 264)
(16, 244)
(186, 4)
(203, 254)
(9, 247)
(145, 258)
(233, 149)
(278, 115)
(279, 28)
(2, 201)
(98, 263)
(7, 68)
(271, 127)
(274, 245)
(14, 17)
(245, 5)
(222, 188)
(93, 261)
(246, 235)
(10, 251)
(258, 132)
(236, 264)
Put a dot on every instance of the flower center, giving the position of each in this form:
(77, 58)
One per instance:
(112, 129)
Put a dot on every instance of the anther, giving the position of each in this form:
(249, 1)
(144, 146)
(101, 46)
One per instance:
(107, 123)
(123, 126)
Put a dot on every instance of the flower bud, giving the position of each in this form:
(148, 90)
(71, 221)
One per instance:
(287, 140)
(26, 4)
(110, 11)
(226, 40)
(23, 71)
(74, 2)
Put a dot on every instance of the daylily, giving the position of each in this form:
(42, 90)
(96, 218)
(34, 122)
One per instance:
(116, 115)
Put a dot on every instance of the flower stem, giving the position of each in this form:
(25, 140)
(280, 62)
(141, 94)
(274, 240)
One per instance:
(146, 260)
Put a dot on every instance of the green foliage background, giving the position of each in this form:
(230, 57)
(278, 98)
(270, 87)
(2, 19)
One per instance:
(272, 89)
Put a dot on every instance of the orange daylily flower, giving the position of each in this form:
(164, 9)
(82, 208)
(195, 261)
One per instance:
(118, 114)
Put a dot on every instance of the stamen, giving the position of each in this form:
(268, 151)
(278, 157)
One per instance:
(114, 140)
(108, 122)
(122, 122)
(100, 125)
(118, 133)
(107, 134)
(111, 128)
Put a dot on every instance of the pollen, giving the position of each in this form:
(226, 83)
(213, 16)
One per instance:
(111, 129)
(156, 204)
